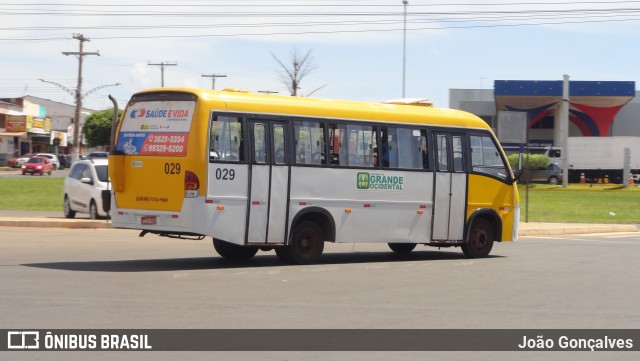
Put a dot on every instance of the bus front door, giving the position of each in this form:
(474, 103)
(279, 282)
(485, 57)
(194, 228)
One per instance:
(450, 188)
(269, 182)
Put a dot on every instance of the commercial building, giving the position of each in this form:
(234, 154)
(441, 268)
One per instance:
(596, 108)
(30, 124)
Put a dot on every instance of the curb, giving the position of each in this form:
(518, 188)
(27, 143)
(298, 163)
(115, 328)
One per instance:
(54, 223)
(613, 228)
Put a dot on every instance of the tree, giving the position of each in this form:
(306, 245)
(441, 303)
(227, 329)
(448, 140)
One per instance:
(97, 128)
(291, 75)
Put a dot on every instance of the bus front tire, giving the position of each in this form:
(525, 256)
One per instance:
(480, 239)
(231, 251)
(307, 244)
(402, 248)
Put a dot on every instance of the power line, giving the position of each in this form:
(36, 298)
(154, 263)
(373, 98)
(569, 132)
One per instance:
(505, 17)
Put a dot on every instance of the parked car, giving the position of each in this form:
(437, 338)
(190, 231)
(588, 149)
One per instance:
(37, 165)
(551, 174)
(94, 155)
(17, 162)
(84, 188)
(12, 162)
(53, 158)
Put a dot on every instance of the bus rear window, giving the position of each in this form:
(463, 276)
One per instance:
(158, 128)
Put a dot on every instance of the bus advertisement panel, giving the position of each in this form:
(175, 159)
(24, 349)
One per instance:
(159, 128)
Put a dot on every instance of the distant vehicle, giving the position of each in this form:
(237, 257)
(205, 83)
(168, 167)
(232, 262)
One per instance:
(93, 155)
(37, 165)
(13, 162)
(17, 162)
(52, 158)
(597, 157)
(65, 161)
(551, 174)
(84, 187)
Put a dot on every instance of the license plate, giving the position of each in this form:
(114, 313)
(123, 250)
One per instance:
(148, 220)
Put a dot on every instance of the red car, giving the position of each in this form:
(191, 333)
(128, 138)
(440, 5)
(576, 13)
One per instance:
(17, 162)
(37, 165)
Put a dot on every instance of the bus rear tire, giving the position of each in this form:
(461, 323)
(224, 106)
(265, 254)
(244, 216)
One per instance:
(480, 239)
(231, 251)
(402, 248)
(307, 244)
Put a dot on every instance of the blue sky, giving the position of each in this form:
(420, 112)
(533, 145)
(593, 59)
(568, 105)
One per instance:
(357, 45)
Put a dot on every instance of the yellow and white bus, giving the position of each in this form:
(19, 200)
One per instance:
(261, 172)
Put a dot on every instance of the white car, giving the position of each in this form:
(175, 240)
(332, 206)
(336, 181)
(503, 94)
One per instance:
(85, 187)
(52, 158)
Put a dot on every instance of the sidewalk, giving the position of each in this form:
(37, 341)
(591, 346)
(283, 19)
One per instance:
(57, 220)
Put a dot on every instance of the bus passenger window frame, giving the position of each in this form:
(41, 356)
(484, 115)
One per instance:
(352, 144)
(410, 134)
(309, 156)
(214, 153)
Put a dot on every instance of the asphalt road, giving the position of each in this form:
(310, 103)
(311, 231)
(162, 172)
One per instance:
(60, 278)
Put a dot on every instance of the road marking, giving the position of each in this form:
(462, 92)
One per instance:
(616, 235)
(607, 240)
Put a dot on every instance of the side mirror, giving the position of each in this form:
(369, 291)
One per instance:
(86, 180)
(517, 176)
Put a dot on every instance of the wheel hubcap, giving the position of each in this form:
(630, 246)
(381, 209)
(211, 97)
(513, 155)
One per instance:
(480, 239)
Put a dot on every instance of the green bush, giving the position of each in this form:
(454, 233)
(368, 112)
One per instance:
(535, 161)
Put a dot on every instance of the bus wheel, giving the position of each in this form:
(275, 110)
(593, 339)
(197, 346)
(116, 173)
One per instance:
(307, 244)
(232, 251)
(402, 248)
(480, 240)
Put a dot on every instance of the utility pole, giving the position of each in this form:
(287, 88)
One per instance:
(213, 78)
(162, 65)
(404, 47)
(75, 155)
(564, 126)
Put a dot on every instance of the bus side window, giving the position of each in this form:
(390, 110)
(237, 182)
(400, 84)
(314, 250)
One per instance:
(279, 145)
(403, 148)
(225, 141)
(442, 157)
(352, 145)
(259, 143)
(458, 160)
(361, 144)
(309, 143)
(424, 149)
(336, 134)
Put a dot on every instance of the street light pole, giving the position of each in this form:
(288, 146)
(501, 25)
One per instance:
(404, 48)
(82, 96)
